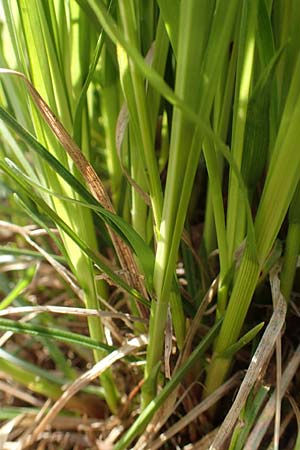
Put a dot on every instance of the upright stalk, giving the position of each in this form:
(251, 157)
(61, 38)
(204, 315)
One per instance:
(273, 206)
(50, 81)
(185, 148)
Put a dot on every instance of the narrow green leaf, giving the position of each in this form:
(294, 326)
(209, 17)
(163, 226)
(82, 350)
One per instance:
(19, 288)
(19, 252)
(142, 250)
(54, 333)
(170, 12)
(56, 219)
(244, 340)
(257, 134)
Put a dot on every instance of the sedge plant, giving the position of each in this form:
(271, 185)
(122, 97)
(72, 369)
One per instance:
(184, 115)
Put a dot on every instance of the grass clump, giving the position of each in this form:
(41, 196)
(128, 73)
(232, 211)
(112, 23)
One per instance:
(150, 186)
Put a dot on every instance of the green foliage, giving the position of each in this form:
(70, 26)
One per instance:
(171, 131)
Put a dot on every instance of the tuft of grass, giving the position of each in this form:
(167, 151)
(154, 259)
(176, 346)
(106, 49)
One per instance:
(148, 151)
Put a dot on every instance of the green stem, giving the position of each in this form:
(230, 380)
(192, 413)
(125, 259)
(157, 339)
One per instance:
(185, 148)
(147, 139)
(235, 211)
(241, 296)
(292, 247)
